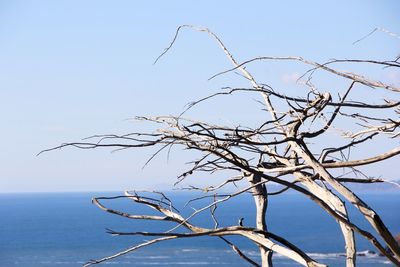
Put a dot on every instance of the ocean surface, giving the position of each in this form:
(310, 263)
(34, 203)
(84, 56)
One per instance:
(65, 229)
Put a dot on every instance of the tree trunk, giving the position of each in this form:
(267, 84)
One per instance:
(261, 200)
(336, 204)
(369, 214)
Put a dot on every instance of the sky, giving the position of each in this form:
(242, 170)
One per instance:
(71, 69)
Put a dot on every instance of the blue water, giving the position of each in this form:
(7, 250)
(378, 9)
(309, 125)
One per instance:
(65, 229)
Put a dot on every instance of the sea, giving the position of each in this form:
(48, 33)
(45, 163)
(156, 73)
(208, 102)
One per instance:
(66, 229)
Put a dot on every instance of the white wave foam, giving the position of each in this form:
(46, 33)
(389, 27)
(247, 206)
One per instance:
(147, 257)
(326, 255)
(183, 263)
(189, 250)
(368, 253)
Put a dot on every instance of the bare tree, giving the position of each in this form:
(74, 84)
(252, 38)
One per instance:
(278, 151)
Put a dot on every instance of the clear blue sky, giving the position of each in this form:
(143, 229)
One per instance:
(70, 69)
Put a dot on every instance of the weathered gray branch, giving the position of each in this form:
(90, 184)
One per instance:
(278, 151)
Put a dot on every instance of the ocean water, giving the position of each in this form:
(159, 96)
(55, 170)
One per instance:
(65, 229)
